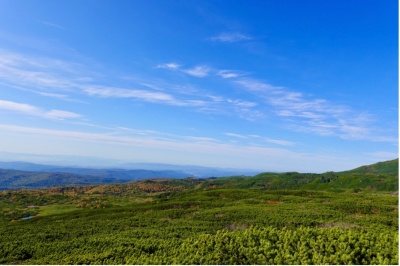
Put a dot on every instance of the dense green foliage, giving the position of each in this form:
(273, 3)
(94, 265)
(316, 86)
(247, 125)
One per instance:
(288, 218)
(281, 246)
(212, 226)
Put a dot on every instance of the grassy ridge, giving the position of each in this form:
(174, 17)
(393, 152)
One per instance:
(387, 167)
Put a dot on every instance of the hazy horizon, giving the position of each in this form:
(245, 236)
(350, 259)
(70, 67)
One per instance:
(104, 163)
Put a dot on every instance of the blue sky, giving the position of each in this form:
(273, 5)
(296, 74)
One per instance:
(308, 86)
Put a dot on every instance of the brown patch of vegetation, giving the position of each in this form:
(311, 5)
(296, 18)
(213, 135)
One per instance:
(357, 215)
(144, 199)
(237, 226)
(274, 202)
(339, 224)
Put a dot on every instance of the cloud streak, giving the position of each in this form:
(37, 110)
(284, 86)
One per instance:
(227, 74)
(47, 77)
(198, 71)
(59, 79)
(31, 110)
(260, 138)
(172, 66)
(231, 37)
(178, 142)
(53, 25)
(204, 148)
(317, 116)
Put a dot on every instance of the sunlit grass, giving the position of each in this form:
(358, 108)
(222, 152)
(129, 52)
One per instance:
(57, 209)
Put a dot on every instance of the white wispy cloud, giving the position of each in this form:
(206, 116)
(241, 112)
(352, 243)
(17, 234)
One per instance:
(203, 139)
(279, 142)
(227, 74)
(59, 96)
(235, 135)
(32, 110)
(66, 80)
(161, 135)
(137, 131)
(18, 107)
(245, 109)
(113, 92)
(60, 114)
(148, 96)
(41, 74)
(51, 95)
(154, 87)
(242, 103)
(53, 25)
(231, 37)
(198, 71)
(260, 138)
(204, 148)
(201, 71)
(60, 79)
(172, 66)
(47, 77)
(316, 116)
(219, 105)
(287, 103)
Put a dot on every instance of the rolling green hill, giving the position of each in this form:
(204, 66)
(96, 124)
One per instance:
(381, 176)
(387, 167)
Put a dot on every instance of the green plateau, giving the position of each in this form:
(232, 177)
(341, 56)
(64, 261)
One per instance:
(332, 218)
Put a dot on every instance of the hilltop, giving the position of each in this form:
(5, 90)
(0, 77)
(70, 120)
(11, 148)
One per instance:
(388, 167)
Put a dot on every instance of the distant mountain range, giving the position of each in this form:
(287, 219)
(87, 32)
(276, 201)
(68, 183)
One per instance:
(16, 175)
(16, 179)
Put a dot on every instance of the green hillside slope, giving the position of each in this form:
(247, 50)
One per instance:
(382, 176)
(387, 167)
